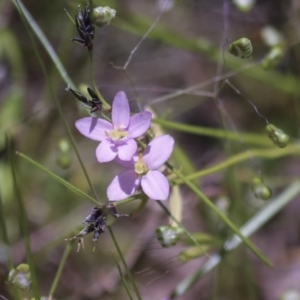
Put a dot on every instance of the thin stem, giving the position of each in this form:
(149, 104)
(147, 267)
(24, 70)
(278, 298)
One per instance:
(216, 133)
(28, 20)
(23, 220)
(5, 236)
(106, 106)
(221, 215)
(125, 264)
(6, 243)
(250, 227)
(122, 277)
(262, 153)
(57, 178)
(41, 36)
(60, 268)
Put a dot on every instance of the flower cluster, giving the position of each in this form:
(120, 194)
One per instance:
(119, 143)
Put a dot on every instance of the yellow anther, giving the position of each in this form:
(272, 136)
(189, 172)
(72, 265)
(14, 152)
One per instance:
(140, 167)
(116, 134)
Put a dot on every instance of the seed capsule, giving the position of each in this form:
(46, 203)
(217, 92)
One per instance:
(241, 48)
(277, 136)
(64, 159)
(168, 236)
(19, 277)
(260, 189)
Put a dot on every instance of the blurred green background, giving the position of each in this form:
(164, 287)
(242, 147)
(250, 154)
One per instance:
(183, 50)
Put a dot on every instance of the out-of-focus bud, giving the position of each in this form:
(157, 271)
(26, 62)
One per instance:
(271, 36)
(241, 48)
(277, 136)
(272, 58)
(168, 236)
(244, 5)
(102, 15)
(19, 277)
(64, 158)
(260, 189)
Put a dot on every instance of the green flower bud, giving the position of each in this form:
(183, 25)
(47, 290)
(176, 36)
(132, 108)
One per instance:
(103, 15)
(244, 5)
(168, 236)
(64, 146)
(277, 136)
(64, 159)
(272, 59)
(22, 268)
(20, 277)
(241, 48)
(260, 190)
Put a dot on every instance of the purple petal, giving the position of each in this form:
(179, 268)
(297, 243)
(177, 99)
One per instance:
(123, 186)
(155, 185)
(127, 150)
(139, 124)
(120, 111)
(158, 151)
(93, 128)
(106, 151)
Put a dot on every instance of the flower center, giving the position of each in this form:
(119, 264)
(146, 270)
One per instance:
(116, 134)
(140, 167)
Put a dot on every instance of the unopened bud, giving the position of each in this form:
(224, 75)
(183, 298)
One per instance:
(168, 236)
(278, 137)
(260, 189)
(102, 15)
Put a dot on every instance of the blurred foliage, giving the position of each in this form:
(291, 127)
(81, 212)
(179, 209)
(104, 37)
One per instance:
(183, 70)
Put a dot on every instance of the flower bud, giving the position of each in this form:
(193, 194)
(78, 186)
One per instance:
(19, 277)
(260, 190)
(64, 158)
(103, 15)
(168, 236)
(272, 37)
(244, 5)
(241, 48)
(277, 136)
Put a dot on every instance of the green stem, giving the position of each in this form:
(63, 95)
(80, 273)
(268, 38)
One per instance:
(57, 178)
(106, 106)
(60, 269)
(215, 133)
(23, 220)
(221, 215)
(41, 36)
(256, 222)
(122, 277)
(28, 20)
(125, 264)
(6, 244)
(263, 153)
(5, 236)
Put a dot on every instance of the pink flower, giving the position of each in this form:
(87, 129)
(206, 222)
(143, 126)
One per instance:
(142, 171)
(117, 138)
